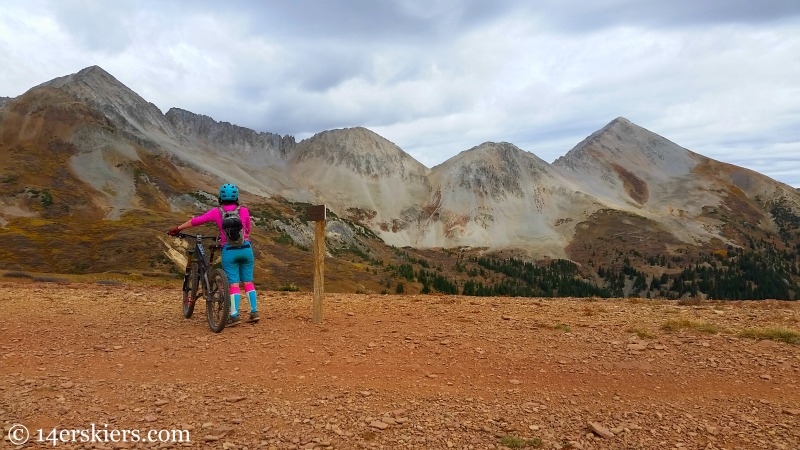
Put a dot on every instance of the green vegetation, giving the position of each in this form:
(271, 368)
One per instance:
(779, 334)
(288, 287)
(44, 196)
(516, 442)
(785, 218)
(526, 279)
(563, 327)
(641, 333)
(687, 324)
(202, 197)
(284, 239)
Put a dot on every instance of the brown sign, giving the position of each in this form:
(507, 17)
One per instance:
(316, 213)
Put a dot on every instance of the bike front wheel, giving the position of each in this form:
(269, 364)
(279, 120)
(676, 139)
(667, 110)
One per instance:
(218, 300)
(190, 288)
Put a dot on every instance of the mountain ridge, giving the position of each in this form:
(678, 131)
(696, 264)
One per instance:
(124, 156)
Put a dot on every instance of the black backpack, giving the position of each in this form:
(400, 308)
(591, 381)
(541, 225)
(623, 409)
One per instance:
(232, 227)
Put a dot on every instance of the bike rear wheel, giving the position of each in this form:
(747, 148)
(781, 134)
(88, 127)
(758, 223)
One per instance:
(190, 289)
(218, 300)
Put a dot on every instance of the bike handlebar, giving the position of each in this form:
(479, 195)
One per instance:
(195, 236)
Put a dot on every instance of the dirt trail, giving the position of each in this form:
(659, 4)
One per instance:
(400, 372)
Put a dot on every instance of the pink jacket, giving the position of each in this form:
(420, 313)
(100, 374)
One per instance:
(214, 215)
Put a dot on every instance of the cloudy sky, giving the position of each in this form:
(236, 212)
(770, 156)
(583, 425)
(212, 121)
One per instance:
(436, 77)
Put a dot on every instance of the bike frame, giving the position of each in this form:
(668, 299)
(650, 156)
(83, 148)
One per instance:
(199, 253)
(201, 279)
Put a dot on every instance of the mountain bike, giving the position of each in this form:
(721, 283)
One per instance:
(202, 280)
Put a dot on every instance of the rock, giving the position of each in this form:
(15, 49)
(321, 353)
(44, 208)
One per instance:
(600, 430)
(379, 425)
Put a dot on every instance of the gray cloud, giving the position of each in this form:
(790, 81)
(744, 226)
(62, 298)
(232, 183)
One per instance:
(576, 16)
(94, 25)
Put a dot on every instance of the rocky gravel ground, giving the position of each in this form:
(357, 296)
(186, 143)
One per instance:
(398, 372)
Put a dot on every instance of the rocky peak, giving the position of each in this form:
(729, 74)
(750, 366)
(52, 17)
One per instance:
(4, 100)
(253, 147)
(628, 145)
(624, 163)
(362, 151)
(121, 105)
(492, 169)
(94, 84)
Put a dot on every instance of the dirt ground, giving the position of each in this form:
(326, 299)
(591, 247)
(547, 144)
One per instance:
(398, 372)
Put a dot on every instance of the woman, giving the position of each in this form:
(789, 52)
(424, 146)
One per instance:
(237, 260)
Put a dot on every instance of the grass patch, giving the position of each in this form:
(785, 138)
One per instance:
(563, 327)
(642, 333)
(687, 324)
(516, 442)
(288, 287)
(779, 334)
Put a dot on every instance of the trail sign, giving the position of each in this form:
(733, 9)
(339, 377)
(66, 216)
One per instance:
(318, 214)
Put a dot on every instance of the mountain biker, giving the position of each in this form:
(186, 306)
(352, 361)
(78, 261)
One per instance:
(237, 262)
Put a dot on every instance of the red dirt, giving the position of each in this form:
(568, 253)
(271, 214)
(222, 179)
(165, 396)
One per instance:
(432, 371)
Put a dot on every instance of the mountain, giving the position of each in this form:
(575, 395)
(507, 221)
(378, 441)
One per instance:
(495, 195)
(635, 170)
(92, 174)
(358, 174)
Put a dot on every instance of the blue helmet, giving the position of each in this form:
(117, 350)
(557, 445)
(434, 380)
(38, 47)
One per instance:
(228, 193)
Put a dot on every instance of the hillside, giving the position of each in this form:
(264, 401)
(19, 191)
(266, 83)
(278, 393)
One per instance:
(416, 372)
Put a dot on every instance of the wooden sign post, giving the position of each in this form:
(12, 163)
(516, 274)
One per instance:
(317, 214)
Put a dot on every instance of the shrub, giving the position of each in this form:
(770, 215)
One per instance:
(288, 287)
